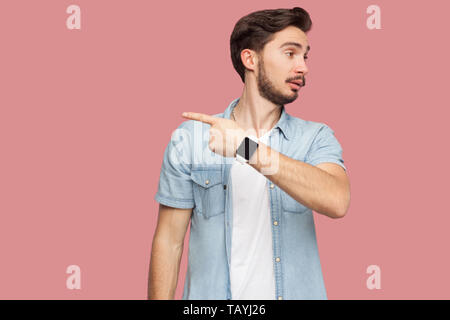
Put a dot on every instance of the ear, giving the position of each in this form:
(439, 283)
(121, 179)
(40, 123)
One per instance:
(249, 59)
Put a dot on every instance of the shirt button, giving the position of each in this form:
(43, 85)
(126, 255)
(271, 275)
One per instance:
(207, 181)
(280, 298)
(272, 186)
(277, 259)
(275, 223)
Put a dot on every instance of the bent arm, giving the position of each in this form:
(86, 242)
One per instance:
(325, 188)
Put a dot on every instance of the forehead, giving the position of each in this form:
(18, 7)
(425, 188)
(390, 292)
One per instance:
(290, 36)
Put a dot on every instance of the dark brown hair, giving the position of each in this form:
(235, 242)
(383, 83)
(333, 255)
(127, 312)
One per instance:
(256, 29)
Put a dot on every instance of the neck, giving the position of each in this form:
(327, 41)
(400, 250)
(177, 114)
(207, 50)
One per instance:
(256, 114)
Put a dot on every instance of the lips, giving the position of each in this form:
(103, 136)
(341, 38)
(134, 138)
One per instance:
(297, 82)
(294, 85)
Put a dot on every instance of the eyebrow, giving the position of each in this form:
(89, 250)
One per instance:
(295, 44)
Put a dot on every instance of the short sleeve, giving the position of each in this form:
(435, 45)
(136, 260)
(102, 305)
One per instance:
(175, 183)
(325, 148)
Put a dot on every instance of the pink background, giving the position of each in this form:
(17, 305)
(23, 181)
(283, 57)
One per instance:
(85, 116)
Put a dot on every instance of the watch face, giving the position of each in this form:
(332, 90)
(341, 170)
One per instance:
(247, 148)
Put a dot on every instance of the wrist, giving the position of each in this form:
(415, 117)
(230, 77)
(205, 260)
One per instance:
(247, 149)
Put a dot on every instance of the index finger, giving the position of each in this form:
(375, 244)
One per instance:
(200, 117)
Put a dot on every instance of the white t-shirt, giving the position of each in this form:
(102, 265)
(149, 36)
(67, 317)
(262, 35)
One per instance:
(252, 274)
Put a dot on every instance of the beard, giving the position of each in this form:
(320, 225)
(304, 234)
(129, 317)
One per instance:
(268, 91)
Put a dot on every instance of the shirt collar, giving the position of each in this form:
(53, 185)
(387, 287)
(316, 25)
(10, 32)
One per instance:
(282, 123)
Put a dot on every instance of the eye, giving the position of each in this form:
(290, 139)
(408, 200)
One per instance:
(289, 52)
(306, 57)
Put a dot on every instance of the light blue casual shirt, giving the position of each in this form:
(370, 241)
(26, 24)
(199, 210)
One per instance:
(192, 176)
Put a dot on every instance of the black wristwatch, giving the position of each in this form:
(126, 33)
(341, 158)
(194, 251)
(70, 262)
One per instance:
(246, 149)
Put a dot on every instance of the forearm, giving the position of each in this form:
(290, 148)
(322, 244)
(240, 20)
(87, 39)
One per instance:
(309, 185)
(164, 268)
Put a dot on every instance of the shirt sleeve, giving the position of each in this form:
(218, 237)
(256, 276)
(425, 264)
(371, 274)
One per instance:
(325, 148)
(175, 183)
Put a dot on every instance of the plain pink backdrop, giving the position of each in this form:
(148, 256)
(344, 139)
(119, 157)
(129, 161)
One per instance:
(85, 116)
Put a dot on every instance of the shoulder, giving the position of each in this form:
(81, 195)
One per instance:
(306, 128)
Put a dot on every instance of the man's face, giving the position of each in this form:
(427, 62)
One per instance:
(281, 63)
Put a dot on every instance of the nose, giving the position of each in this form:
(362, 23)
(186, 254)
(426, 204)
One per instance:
(302, 68)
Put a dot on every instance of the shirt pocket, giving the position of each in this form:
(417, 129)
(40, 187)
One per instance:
(290, 204)
(209, 194)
